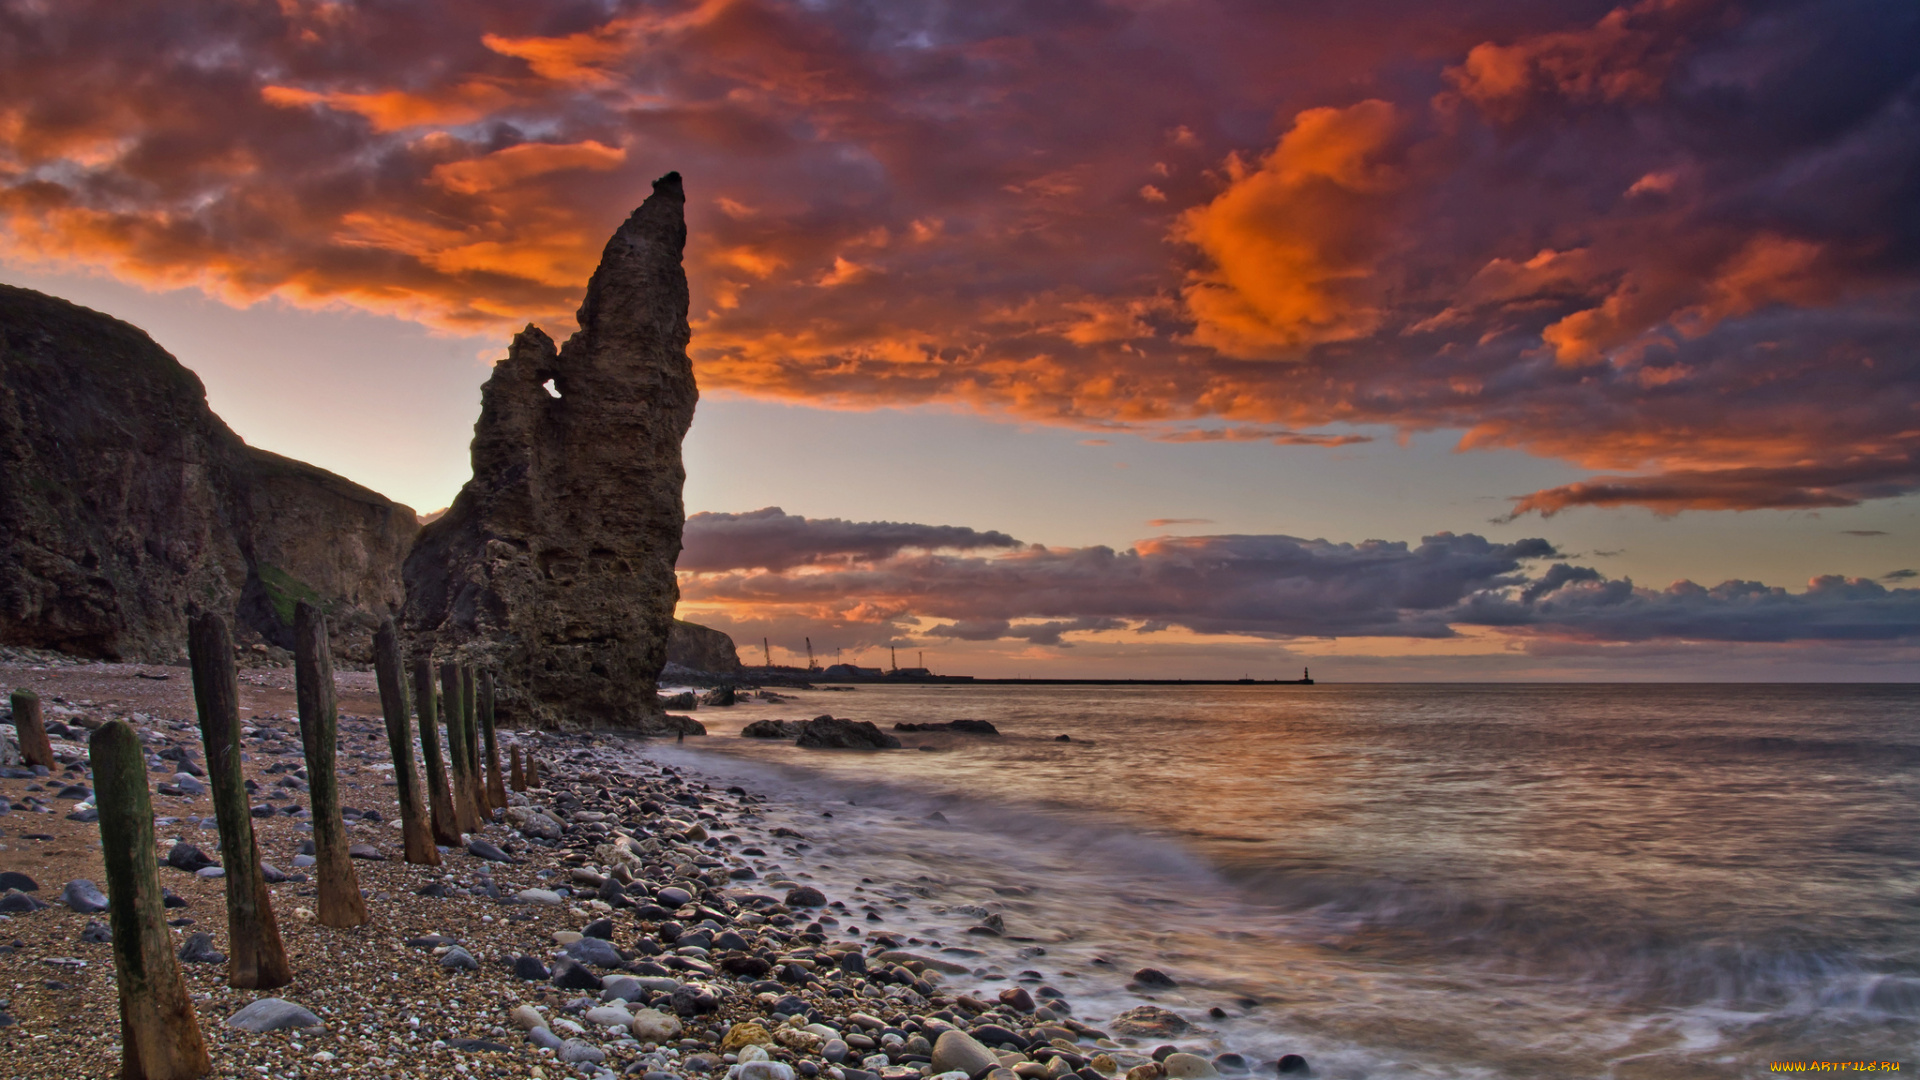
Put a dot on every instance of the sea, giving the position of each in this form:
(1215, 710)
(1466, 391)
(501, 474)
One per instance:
(1472, 881)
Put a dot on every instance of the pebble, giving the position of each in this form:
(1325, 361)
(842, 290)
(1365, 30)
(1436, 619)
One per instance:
(210, 872)
(530, 969)
(459, 959)
(526, 1017)
(569, 975)
(1154, 978)
(96, 933)
(762, 1070)
(1291, 1063)
(83, 896)
(538, 896)
(19, 903)
(673, 897)
(14, 879)
(481, 849)
(652, 1025)
(272, 1014)
(743, 1035)
(199, 949)
(544, 1039)
(957, 1051)
(596, 951)
(366, 851)
(574, 1051)
(186, 857)
(609, 1016)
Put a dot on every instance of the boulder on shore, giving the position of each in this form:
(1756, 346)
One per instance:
(834, 733)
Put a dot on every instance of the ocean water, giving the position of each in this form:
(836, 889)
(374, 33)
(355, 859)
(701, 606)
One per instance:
(1395, 881)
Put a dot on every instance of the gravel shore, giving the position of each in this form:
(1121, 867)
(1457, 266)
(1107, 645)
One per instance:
(635, 921)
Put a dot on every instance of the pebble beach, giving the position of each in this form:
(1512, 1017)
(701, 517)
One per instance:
(626, 916)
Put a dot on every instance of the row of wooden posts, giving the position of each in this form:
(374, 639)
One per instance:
(160, 1037)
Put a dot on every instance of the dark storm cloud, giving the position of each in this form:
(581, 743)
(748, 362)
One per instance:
(1262, 586)
(772, 539)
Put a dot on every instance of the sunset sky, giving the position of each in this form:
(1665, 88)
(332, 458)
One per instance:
(1449, 340)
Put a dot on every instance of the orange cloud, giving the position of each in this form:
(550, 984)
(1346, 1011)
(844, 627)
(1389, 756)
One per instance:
(1293, 245)
(523, 162)
(397, 110)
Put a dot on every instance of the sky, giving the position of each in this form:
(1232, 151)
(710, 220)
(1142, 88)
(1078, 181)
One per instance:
(1448, 340)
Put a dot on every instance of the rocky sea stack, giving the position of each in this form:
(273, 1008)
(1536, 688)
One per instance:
(554, 565)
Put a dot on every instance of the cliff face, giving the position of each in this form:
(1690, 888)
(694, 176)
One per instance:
(701, 648)
(126, 504)
(554, 565)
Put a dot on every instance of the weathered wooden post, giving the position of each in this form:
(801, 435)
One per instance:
(339, 887)
(496, 787)
(476, 763)
(256, 958)
(31, 727)
(519, 779)
(467, 814)
(533, 770)
(446, 828)
(414, 834)
(159, 1034)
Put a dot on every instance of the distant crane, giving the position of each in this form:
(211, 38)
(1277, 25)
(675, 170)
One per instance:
(809, 654)
(894, 663)
(767, 650)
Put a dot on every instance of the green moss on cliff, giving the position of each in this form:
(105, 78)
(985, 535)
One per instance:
(284, 591)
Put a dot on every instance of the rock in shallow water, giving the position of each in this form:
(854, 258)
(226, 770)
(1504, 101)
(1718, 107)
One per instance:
(835, 733)
(1182, 1066)
(1149, 1022)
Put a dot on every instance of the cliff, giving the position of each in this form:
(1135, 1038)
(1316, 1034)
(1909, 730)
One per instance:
(554, 565)
(126, 504)
(701, 648)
